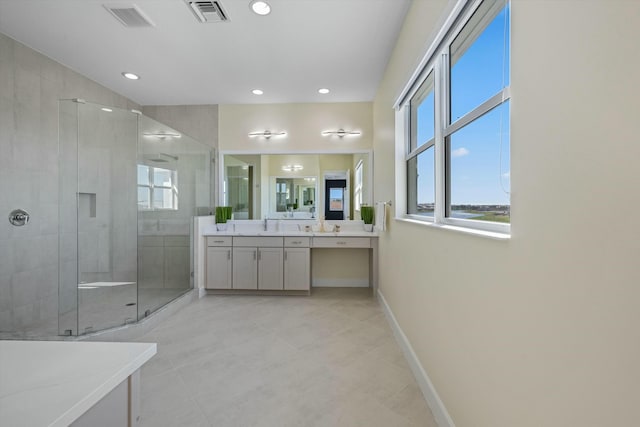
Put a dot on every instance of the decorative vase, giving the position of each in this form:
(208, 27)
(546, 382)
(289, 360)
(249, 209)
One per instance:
(221, 226)
(368, 227)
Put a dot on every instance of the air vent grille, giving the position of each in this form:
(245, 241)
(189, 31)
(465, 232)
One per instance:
(208, 11)
(129, 15)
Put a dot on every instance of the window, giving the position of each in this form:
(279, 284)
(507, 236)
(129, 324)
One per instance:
(157, 188)
(456, 123)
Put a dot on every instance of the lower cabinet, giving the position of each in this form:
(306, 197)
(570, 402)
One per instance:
(245, 268)
(218, 267)
(270, 269)
(257, 268)
(258, 263)
(297, 274)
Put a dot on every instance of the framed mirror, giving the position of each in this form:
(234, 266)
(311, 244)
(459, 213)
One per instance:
(291, 185)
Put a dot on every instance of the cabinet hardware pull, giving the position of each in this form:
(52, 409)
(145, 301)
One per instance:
(254, 255)
(259, 254)
(341, 243)
(218, 241)
(229, 254)
(285, 255)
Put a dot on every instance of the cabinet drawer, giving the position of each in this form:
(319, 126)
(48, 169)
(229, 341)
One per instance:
(297, 242)
(341, 242)
(258, 242)
(219, 241)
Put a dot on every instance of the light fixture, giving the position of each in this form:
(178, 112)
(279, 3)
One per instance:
(266, 134)
(260, 7)
(257, 92)
(162, 135)
(292, 168)
(341, 133)
(105, 109)
(130, 76)
(323, 91)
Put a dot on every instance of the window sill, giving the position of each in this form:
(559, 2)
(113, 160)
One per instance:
(465, 230)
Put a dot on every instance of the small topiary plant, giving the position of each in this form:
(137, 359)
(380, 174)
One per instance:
(367, 213)
(221, 214)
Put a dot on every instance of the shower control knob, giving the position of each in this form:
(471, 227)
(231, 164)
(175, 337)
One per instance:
(18, 217)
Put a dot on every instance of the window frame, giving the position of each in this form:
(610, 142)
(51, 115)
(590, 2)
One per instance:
(358, 178)
(436, 62)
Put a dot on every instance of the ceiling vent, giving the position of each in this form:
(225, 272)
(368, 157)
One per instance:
(129, 15)
(208, 11)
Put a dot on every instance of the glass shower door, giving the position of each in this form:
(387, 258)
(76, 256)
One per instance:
(98, 244)
(174, 173)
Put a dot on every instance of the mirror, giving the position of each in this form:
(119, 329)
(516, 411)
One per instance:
(293, 195)
(292, 185)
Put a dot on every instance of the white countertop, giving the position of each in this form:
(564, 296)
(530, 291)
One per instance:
(52, 383)
(214, 232)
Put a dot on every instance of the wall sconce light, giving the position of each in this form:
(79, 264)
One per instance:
(341, 133)
(266, 134)
(162, 135)
(292, 168)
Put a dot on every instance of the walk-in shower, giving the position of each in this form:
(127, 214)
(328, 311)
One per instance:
(128, 189)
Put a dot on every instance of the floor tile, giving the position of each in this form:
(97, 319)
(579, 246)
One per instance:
(325, 360)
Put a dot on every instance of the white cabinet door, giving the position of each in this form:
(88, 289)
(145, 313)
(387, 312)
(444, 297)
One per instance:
(218, 268)
(245, 268)
(270, 268)
(297, 275)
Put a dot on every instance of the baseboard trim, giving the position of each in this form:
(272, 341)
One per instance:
(438, 409)
(340, 283)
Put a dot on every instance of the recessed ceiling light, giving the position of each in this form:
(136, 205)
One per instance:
(108, 110)
(260, 7)
(257, 92)
(323, 91)
(131, 76)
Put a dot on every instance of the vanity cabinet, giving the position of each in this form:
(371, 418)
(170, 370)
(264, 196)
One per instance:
(245, 268)
(297, 264)
(258, 263)
(270, 268)
(218, 263)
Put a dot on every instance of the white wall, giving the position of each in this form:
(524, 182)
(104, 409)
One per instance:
(540, 330)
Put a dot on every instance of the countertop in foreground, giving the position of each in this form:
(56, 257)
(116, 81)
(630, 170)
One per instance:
(52, 383)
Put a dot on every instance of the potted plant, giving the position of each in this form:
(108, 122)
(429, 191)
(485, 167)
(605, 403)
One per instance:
(367, 213)
(228, 211)
(223, 213)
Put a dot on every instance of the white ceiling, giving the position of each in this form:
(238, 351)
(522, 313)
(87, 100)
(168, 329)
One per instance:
(301, 46)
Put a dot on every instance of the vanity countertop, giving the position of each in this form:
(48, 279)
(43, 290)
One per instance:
(211, 231)
(52, 383)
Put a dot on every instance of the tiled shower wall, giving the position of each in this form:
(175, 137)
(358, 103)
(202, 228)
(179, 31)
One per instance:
(30, 87)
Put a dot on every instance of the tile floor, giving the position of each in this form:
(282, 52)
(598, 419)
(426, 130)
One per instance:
(325, 360)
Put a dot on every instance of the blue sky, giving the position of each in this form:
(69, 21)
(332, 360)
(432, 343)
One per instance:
(477, 175)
